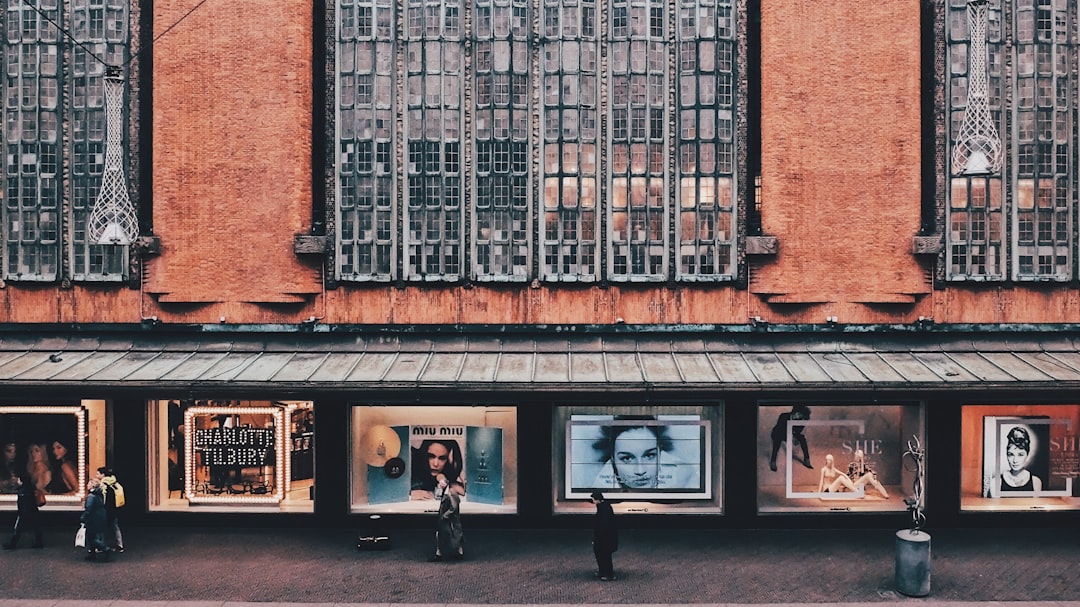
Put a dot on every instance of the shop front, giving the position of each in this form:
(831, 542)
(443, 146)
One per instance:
(677, 428)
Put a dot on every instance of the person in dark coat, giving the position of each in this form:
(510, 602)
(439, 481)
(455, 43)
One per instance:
(605, 537)
(28, 519)
(449, 537)
(95, 518)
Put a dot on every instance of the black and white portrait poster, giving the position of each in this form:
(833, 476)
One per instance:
(654, 457)
(1016, 458)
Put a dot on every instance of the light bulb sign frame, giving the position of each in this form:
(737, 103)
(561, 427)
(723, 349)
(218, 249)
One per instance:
(234, 448)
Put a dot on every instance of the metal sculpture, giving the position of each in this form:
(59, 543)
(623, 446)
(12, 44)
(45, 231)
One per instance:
(917, 455)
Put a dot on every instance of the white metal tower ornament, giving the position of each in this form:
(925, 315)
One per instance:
(113, 220)
(978, 148)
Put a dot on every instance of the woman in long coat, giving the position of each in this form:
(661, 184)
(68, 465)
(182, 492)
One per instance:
(94, 518)
(449, 538)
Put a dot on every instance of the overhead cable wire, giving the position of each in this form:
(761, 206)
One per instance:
(68, 35)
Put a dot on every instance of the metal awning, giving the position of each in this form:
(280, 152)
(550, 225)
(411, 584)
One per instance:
(683, 361)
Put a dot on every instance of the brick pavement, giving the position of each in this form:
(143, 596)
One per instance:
(549, 567)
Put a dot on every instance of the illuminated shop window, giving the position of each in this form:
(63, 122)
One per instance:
(232, 454)
(826, 457)
(397, 452)
(57, 447)
(659, 459)
(1020, 457)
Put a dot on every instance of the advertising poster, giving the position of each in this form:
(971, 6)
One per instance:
(44, 446)
(834, 457)
(1021, 457)
(640, 457)
(470, 457)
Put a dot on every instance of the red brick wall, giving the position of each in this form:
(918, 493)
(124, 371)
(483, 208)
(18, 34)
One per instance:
(232, 97)
(840, 151)
(232, 178)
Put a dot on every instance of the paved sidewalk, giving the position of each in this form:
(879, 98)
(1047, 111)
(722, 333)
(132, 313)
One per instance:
(120, 603)
(204, 567)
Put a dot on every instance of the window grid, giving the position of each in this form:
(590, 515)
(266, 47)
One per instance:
(639, 205)
(434, 49)
(667, 150)
(705, 143)
(32, 140)
(501, 122)
(365, 119)
(571, 141)
(1036, 181)
(33, 213)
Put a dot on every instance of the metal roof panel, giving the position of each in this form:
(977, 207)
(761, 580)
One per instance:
(516, 367)
(625, 367)
(659, 367)
(589, 368)
(695, 368)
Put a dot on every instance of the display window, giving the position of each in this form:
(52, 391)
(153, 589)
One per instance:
(644, 459)
(399, 452)
(817, 457)
(1019, 457)
(232, 454)
(53, 447)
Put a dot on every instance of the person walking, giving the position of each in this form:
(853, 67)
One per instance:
(94, 518)
(28, 518)
(449, 537)
(113, 492)
(605, 537)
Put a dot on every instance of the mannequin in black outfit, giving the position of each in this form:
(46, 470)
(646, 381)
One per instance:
(779, 434)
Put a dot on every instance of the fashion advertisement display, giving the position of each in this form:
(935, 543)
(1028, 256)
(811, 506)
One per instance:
(1022, 457)
(44, 443)
(642, 457)
(648, 459)
(399, 453)
(834, 457)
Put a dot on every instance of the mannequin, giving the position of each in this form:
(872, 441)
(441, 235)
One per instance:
(832, 479)
(863, 474)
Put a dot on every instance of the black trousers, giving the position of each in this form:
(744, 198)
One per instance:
(603, 562)
(26, 524)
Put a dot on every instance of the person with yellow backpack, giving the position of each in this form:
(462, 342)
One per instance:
(113, 493)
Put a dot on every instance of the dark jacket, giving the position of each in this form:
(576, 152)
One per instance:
(93, 515)
(449, 535)
(605, 533)
(27, 500)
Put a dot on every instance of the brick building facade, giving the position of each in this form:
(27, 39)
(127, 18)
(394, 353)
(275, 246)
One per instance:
(257, 131)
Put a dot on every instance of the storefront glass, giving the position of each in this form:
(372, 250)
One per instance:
(57, 447)
(644, 459)
(398, 451)
(232, 454)
(815, 457)
(1020, 457)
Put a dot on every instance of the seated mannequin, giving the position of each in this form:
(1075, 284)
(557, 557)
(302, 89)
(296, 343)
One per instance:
(862, 474)
(832, 479)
